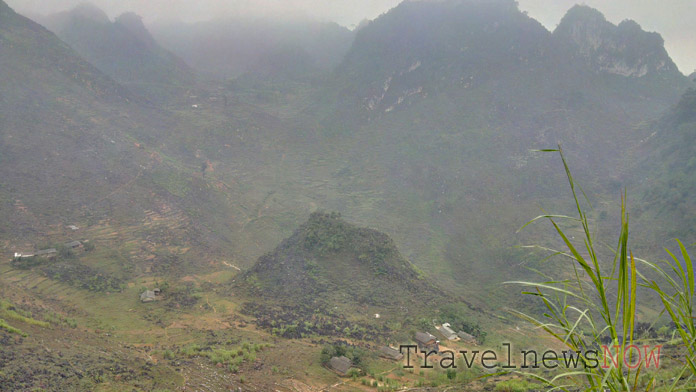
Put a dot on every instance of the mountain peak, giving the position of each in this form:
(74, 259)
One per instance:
(134, 24)
(625, 49)
(319, 255)
(583, 14)
(91, 12)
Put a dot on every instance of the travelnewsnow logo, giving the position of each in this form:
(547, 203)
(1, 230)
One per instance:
(606, 357)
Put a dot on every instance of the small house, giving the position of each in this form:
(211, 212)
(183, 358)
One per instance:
(447, 331)
(73, 227)
(47, 252)
(340, 365)
(73, 244)
(465, 337)
(427, 342)
(147, 296)
(390, 353)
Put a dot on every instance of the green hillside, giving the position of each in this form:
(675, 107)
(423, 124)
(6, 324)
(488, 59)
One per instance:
(448, 109)
(663, 176)
(421, 130)
(311, 266)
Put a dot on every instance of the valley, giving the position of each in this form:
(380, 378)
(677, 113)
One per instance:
(298, 200)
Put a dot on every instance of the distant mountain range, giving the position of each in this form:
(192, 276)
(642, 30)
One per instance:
(419, 125)
(435, 107)
(123, 49)
(227, 48)
(72, 138)
(450, 98)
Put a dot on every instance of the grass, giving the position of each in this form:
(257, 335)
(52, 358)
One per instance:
(11, 312)
(598, 298)
(515, 386)
(11, 329)
(232, 357)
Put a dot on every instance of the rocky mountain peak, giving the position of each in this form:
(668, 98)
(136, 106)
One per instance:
(625, 49)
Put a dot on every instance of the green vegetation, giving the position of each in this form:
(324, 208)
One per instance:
(599, 299)
(82, 276)
(460, 320)
(664, 203)
(318, 256)
(421, 134)
(10, 311)
(233, 357)
(515, 386)
(11, 329)
(26, 263)
(356, 355)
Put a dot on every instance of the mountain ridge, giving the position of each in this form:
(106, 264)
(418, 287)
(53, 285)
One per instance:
(123, 49)
(227, 48)
(624, 49)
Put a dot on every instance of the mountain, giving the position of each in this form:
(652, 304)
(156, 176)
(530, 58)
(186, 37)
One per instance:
(124, 50)
(423, 131)
(54, 123)
(225, 49)
(421, 49)
(333, 278)
(447, 100)
(311, 266)
(663, 178)
(68, 156)
(624, 50)
(76, 146)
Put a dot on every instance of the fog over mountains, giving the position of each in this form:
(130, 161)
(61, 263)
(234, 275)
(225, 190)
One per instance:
(292, 184)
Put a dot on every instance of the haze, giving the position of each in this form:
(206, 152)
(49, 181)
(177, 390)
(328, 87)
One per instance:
(673, 18)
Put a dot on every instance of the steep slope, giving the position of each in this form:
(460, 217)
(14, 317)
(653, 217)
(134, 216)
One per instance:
(53, 125)
(663, 179)
(484, 55)
(75, 146)
(224, 49)
(314, 264)
(447, 99)
(124, 50)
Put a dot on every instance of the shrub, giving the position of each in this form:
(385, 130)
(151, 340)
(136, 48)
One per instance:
(601, 299)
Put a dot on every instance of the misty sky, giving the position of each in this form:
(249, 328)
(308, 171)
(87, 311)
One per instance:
(674, 19)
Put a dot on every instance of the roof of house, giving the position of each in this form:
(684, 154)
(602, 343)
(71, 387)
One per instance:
(465, 335)
(46, 251)
(73, 244)
(424, 337)
(340, 364)
(390, 353)
(447, 332)
(148, 294)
